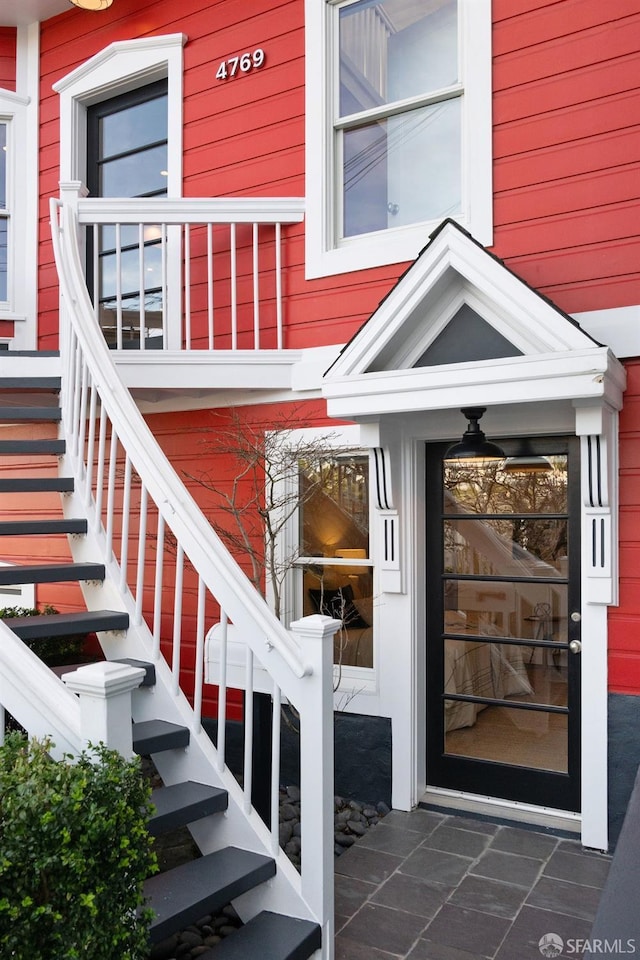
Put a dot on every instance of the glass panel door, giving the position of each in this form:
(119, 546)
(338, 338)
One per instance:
(503, 581)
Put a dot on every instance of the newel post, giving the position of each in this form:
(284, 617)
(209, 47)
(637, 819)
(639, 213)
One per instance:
(315, 636)
(105, 703)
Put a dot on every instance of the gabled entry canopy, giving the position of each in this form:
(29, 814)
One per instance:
(459, 328)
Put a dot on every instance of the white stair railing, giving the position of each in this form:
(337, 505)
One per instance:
(177, 577)
(186, 274)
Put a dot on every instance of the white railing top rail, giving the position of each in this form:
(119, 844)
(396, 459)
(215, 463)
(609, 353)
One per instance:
(219, 571)
(99, 210)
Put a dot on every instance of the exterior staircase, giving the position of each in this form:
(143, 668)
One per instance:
(234, 863)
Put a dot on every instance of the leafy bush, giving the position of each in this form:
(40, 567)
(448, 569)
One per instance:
(53, 650)
(74, 852)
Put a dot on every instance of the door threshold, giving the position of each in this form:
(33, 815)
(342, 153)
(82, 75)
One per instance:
(508, 811)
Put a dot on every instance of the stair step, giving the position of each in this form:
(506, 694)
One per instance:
(149, 669)
(182, 895)
(270, 936)
(182, 803)
(19, 528)
(29, 413)
(30, 384)
(51, 572)
(19, 447)
(67, 624)
(153, 736)
(37, 485)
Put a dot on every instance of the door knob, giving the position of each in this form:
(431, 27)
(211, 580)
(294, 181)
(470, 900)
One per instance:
(575, 616)
(575, 646)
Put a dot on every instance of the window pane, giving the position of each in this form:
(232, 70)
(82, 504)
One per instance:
(494, 487)
(4, 231)
(3, 166)
(344, 593)
(335, 507)
(134, 127)
(402, 170)
(524, 738)
(512, 547)
(393, 50)
(494, 608)
(136, 175)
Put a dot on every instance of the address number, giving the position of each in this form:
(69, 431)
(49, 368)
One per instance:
(242, 64)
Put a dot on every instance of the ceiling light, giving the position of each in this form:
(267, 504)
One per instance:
(92, 4)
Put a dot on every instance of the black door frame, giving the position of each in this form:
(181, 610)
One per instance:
(489, 778)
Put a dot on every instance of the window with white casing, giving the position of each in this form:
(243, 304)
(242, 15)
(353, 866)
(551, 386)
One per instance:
(400, 138)
(4, 213)
(17, 286)
(329, 544)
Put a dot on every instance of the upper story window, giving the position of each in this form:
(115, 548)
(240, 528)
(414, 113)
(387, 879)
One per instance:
(401, 138)
(398, 124)
(4, 214)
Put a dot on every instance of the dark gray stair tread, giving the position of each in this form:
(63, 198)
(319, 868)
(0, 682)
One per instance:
(29, 384)
(67, 624)
(37, 485)
(31, 353)
(269, 936)
(153, 736)
(29, 413)
(19, 528)
(50, 572)
(19, 447)
(149, 669)
(182, 803)
(182, 895)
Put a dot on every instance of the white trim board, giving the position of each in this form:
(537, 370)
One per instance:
(617, 327)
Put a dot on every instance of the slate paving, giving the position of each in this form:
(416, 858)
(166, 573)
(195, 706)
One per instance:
(430, 886)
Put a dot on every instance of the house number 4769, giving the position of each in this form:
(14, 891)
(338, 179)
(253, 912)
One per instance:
(241, 64)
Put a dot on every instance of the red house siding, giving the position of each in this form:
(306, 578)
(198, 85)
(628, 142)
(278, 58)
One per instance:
(8, 58)
(566, 113)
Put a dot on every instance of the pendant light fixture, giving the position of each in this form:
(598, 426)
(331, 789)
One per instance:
(92, 4)
(474, 445)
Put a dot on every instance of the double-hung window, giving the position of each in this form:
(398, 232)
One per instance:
(401, 139)
(4, 214)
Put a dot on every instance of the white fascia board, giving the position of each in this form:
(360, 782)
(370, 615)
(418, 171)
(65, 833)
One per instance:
(206, 369)
(572, 375)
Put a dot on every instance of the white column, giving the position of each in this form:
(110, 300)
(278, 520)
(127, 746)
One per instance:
(105, 703)
(315, 635)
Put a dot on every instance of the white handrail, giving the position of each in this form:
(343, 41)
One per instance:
(219, 571)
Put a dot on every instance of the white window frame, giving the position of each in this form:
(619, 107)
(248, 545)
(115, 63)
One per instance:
(353, 680)
(120, 67)
(324, 257)
(20, 302)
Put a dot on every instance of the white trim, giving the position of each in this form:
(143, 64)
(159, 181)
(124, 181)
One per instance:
(21, 110)
(404, 244)
(120, 67)
(618, 328)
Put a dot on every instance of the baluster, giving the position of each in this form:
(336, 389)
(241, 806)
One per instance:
(82, 419)
(142, 549)
(102, 443)
(163, 261)
(256, 291)
(141, 285)
(118, 288)
(199, 666)
(278, 252)
(210, 283)
(3, 722)
(234, 291)
(275, 771)
(96, 271)
(75, 422)
(157, 594)
(187, 286)
(126, 507)
(177, 619)
(248, 731)
(91, 443)
(111, 491)
(222, 692)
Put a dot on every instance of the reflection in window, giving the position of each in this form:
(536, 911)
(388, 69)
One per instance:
(337, 574)
(4, 214)
(398, 129)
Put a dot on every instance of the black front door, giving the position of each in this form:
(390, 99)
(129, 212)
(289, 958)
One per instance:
(503, 623)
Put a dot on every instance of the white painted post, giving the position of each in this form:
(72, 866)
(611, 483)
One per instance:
(315, 635)
(105, 703)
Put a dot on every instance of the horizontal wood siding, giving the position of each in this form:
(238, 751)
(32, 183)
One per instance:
(624, 620)
(8, 58)
(566, 115)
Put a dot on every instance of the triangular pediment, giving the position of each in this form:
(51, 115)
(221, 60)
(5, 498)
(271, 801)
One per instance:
(457, 304)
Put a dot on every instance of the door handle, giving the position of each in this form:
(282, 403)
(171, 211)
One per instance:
(575, 646)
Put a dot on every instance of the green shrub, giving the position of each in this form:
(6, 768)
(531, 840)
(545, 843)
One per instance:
(53, 650)
(74, 851)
